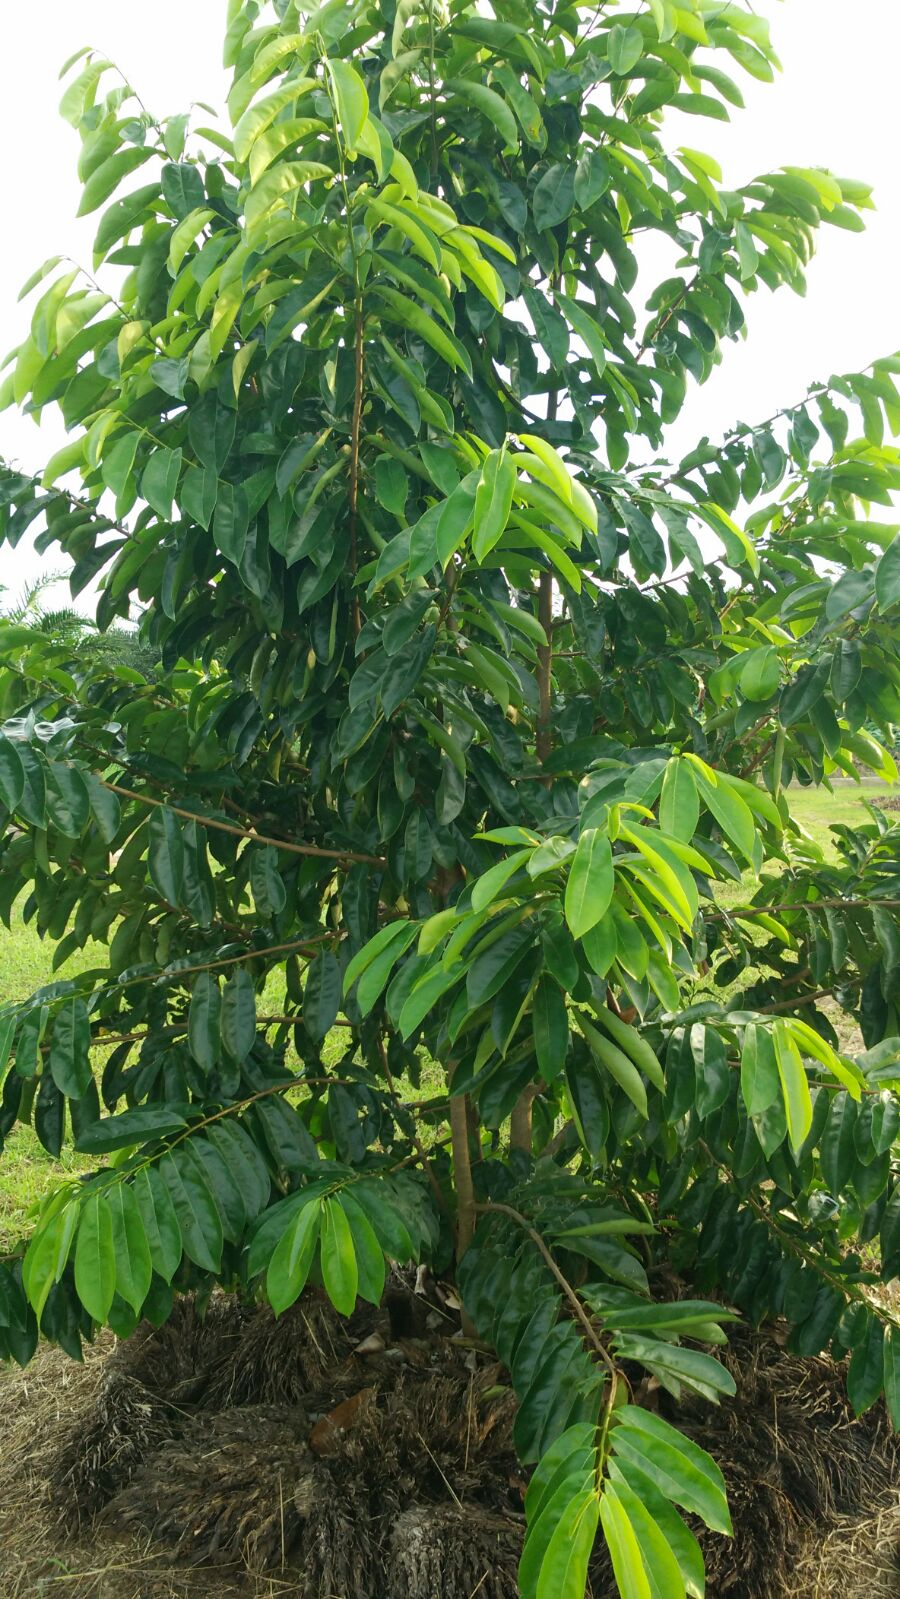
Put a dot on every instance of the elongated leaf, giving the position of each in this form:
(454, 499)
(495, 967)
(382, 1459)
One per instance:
(195, 1208)
(292, 1258)
(70, 1063)
(590, 883)
(161, 1228)
(165, 856)
(794, 1085)
(134, 1268)
(338, 1256)
(682, 1471)
(95, 1258)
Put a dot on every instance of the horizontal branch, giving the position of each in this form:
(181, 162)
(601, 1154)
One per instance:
(861, 903)
(244, 832)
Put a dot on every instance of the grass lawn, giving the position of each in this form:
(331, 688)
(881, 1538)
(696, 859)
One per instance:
(818, 811)
(26, 1170)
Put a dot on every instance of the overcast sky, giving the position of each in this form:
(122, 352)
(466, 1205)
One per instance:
(833, 106)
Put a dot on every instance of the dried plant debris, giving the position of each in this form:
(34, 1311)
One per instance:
(236, 1455)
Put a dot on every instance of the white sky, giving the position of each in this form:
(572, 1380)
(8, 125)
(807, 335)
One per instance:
(831, 107)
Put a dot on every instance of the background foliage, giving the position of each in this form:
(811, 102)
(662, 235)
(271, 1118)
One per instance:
(468, 735)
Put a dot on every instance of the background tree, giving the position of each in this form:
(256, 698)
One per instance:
(468, 762)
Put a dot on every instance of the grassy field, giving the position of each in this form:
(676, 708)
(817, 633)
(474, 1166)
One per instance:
(26, 1170)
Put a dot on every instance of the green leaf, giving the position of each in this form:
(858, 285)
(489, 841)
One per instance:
(204, 1021)
(865, 1376)
(122, 216)
(713, 1076)
(134, 1269)
(563, 1574)
(678, 1467)
(852, 591)
(238, 1015)
(554, 196)
(161, 1227)
(412, 316)
(625, 48)
(760, 1081)
(292, 1258)
(136, 1126)
(211, 428)
(109, 175)
(679, 805)
(46, 1256)
(549, 325)
(184, 235)
(760, 674)
(730, 811)
(182, 188)
(160, 480)
(240, 1155)
(892, 1375)
(340, 1274)
(165, 853)
(550, 1026)
(589, 331)
(837, 1149)
(590, 882)
(70, 1063)
(95, 1258)
(624, 1549)
(117, 463)
(794, 1085)
(321, 995)
(486, 888)
(592, 178)
(622, 1070)
(269, 893)
(195, 1208)
(493, 501)
(351, 101)
(12, 775)
(887, 576)
(369, 1253)
(490, 105)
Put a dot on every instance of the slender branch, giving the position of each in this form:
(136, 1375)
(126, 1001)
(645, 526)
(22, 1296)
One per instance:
(572, 1298)
(759, 757)
(245, 832)
(801, 905)
(462, 1173)
(354, 452)
(796, 1003)
(544, 740)
(295, 945)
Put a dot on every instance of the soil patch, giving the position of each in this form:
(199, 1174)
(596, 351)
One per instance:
(238, 1455)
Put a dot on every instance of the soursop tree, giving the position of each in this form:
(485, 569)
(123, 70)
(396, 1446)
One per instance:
(445, 894)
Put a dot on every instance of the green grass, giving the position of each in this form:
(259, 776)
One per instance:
(818, 811)
(27, 1171)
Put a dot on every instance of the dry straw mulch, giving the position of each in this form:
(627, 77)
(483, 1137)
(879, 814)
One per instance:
(246, 1458)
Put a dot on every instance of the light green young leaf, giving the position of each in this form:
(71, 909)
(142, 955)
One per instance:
(590, 882)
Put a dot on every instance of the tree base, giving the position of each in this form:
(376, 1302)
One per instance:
(239, 1455)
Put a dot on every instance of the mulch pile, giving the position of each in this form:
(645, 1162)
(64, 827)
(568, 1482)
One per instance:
(312, 1458)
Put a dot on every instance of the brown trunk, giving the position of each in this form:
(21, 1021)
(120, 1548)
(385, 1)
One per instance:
(520, 1135)
(462, 1174)
(462, 1182)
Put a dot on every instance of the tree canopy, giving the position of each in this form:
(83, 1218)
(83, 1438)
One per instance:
(441, 884)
